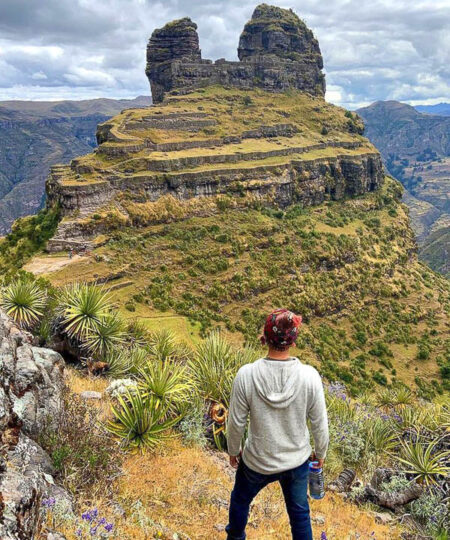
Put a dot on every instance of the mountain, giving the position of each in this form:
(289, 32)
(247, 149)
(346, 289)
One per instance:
(240, 190)
(442, 109)
(34, 135)
(416, 150)
(219, 202)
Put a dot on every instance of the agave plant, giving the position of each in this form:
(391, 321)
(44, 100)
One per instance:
(386, 398)
(380, 436)
(119, 362)
(140, 422)
(138, 334)
(344, 410)
(104, 336)
(84, 307)
(403, 396)
(138, 358)
(24, 302)
(163, 345)
(164, 381)
(398, 397)
(423, 461)
(213, 368)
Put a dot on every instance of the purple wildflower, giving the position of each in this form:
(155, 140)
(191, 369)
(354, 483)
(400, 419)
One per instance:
(49, 503)
(109, 527)
(323, 536)
(93, 530)
(78, 532)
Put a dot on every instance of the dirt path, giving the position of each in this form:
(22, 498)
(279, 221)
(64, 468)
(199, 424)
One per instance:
(47, 265)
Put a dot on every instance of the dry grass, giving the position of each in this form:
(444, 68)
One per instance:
(186, 490)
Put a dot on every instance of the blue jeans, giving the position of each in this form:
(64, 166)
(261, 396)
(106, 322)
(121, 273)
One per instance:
(249, 483)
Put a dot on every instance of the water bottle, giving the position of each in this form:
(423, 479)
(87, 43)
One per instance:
(316, 486)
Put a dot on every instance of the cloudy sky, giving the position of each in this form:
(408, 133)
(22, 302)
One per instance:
(76, 49)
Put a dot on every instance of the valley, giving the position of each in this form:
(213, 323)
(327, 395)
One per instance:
(416, 147)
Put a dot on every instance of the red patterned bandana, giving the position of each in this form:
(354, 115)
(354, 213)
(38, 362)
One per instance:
(281, 329)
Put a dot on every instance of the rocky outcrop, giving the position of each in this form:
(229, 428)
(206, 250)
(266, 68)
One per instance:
(177, 40)
(277, 31)
(277, 51)
(31, 383)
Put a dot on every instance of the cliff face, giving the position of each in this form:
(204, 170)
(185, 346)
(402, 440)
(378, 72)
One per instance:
(276, 50)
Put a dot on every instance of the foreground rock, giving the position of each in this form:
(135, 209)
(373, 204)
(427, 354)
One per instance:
(31, 383)
(394, 501)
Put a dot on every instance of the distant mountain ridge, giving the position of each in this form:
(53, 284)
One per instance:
(416, 150)
(34, 135)
(442, 109)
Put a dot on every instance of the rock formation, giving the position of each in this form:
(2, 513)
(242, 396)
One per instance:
(277, 51)
(31, 382)
(216, 131)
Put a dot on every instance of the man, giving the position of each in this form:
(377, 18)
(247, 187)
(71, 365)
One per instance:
(280, 394)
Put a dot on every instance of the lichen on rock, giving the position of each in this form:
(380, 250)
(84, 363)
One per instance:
(31, 383)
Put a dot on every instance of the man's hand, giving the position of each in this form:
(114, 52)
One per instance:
(320, 462)
(234, 461)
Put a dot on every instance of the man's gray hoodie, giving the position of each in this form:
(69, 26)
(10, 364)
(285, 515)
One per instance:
(280, 396)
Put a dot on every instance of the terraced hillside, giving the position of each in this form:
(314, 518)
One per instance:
(215, 146)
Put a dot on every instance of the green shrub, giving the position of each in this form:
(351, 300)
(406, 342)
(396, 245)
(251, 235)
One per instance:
(432, 512)
(28, 235)
(192, 426)
(85, 456)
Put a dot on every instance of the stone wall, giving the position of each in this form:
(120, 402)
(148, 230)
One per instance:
(277, 51)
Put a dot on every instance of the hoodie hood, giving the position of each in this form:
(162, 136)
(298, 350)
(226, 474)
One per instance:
(277, 381)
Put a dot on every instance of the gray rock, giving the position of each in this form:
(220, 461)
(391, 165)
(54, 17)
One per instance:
(31, 384)
(55, 536)
(89, 394)
(383, 517)
(277, 51)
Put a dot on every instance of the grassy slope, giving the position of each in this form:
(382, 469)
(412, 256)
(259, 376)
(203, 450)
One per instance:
(348, 267)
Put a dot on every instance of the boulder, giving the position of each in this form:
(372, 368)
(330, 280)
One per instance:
(31, 384)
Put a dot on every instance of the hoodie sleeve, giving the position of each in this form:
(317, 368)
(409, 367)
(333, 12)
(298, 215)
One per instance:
(237, 416)
(317, 414)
